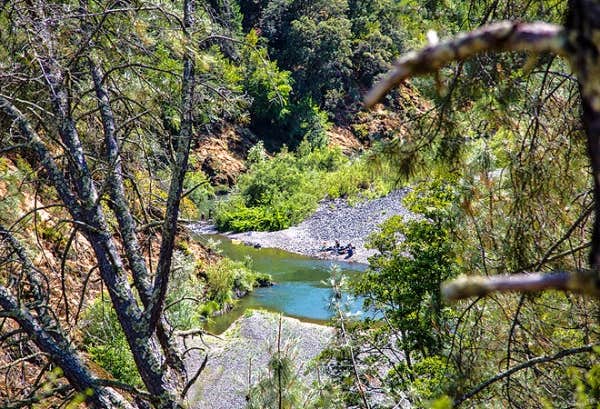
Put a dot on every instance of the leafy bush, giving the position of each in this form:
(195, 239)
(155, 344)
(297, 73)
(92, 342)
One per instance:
(279, 192)
(228, 279)
(268, 86)
(308, 122)
(105, 341)
(402, 284)
(273, 195)
(429, 379)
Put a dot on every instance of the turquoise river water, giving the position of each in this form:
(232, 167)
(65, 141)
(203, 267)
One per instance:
(298, 292)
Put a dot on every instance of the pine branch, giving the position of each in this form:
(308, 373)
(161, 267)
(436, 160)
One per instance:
(527, 364)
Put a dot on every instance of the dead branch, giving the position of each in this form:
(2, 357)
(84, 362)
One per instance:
(32, 400)
(111, 383)
(503, 36)
(582, 282)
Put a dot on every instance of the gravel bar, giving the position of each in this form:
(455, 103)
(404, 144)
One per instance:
(333, 220)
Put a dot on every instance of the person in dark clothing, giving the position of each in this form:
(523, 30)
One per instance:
(349, 250)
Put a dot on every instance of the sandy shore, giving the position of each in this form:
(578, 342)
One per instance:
(333, 220)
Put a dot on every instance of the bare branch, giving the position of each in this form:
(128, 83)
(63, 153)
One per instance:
(583, 282)
(32, 400)
(22, 359)
(43, 154)
(59, 351)
(119, 205)
(195, 331)
(111, 383)
(160, 222)
(503, 36)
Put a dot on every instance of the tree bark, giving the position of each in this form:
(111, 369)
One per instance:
(169, 227)
(583, 26)
(73, 368)
(127, 225)
(46, 333)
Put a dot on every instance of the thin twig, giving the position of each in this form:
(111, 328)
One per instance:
(524, 365)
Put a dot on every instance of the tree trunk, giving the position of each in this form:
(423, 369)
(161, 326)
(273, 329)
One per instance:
(583, 24)
(169, 228)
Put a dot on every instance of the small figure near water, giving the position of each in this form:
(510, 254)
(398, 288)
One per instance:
(337, 249)
(349, 250)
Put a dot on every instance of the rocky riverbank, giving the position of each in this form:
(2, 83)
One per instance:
(333, 220)
(240, 355)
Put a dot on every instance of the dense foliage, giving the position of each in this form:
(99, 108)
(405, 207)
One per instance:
(404, 278)
(507, 129)
(407, 324)
(199, 290)
(492, 147)
(281, 191)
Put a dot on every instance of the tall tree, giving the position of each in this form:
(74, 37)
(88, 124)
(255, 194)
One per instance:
(48, 111)
(577, 42)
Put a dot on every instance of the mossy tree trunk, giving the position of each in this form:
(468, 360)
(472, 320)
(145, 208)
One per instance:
(142, 322)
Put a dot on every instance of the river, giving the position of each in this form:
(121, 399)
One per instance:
(298, 292)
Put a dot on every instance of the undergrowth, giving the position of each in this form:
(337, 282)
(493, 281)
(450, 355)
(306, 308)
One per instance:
(190, 302)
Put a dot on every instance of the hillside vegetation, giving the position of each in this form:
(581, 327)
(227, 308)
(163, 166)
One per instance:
(121, 121)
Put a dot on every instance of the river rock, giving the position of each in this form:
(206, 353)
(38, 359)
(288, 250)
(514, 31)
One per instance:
(242, 353)
(333, 220)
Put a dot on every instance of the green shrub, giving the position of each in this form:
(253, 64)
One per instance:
(430, 378)
(227, 278)
(268, 86)
(105, 341)
(207, 309)
(234, 215)
(319, 159)
(273, 195)
(279, 192)
(198, 188)
(309, 123)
